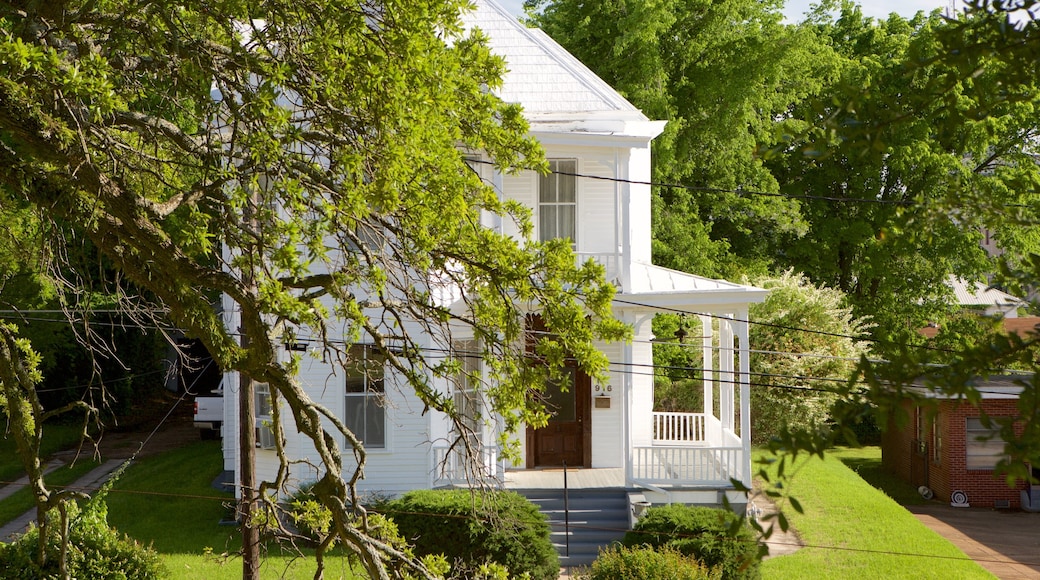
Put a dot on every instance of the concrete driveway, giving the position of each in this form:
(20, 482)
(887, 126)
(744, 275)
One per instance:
(1007, 543)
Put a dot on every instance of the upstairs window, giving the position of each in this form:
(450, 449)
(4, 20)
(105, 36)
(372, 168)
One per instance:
(558, 201)
(365, 396)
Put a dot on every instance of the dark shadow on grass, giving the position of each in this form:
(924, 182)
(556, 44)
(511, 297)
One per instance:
(867, 464)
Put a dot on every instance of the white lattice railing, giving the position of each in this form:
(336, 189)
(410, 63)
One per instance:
(679, 428)
(452, 467)
(687, 465)
(611, 262)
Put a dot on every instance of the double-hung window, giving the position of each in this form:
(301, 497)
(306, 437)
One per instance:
(262, 408)
(558, 201)
(365, 403)
(467, 395)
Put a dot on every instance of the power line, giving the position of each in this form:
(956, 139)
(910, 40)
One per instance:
(745, 192)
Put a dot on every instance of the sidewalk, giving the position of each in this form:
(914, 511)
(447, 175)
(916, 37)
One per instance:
(89, 483)
(1007, 543)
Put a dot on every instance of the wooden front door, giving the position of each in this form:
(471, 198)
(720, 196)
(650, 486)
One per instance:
(567, 438)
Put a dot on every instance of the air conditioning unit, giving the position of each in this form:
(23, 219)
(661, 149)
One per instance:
(959, 499)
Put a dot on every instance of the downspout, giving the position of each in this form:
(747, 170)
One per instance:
(618, 248)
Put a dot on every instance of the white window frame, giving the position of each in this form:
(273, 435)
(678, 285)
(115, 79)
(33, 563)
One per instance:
(365, 382)
(549, 188)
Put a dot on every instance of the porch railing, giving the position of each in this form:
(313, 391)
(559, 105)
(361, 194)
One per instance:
(451, 466)
(664, 465)
(679, 428)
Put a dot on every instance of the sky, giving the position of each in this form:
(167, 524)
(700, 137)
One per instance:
(794, 9)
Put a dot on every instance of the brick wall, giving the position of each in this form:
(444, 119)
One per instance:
(949, 473)
(982, 487)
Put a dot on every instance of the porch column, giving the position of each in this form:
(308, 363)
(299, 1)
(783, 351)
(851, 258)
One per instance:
(708, 358)
(745, 394)
(627, 400)
(726, 378)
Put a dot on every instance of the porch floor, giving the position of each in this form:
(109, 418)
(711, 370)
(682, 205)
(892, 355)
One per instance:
(577, 478)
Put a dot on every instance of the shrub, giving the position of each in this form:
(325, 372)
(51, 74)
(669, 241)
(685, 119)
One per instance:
(95, 552)
(620, 563)
(704, 533)
(474, 529)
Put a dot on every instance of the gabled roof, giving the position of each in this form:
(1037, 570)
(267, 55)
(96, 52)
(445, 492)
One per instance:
(557, 91)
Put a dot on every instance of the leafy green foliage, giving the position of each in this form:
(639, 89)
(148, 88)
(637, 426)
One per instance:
(725, 75)
(473, 529)
(95, 551)
(662, 563)
(300, 160)
(717, 538)
(798, 375)
(909, 154)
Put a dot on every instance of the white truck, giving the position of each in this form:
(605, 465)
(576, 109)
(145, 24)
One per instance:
(209, 415)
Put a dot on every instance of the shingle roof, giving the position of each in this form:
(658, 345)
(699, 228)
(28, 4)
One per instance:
(543, 77)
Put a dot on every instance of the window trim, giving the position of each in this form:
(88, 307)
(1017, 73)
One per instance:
(554, 175)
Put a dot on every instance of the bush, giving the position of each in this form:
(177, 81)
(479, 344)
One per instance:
(621, 563)
(95, 551)
(473, 529)
(703, 533)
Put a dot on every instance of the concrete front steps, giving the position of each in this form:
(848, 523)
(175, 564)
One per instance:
(597, 518)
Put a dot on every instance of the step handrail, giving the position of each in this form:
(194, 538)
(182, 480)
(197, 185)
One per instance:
(566, 513)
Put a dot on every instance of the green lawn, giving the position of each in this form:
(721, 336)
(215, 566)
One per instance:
(56, 436)
(852, 530)
(866, 462)
(167, 501)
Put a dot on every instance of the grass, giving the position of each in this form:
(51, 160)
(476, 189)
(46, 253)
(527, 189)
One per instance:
(56, 436)
(853, 530)
(866, 463)
(166, 501)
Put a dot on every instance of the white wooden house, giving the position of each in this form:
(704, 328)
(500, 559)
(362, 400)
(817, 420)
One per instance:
(587, 129)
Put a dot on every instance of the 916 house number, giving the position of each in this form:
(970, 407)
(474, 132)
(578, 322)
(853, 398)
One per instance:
(604, 388)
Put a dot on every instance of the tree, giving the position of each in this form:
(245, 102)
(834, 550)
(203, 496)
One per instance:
(25, 417)
(300, 158)
(725, 75)
(797, 372)
(958, 115)
(885, 173)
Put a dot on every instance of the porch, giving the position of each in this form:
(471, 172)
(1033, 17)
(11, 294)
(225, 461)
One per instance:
(688, 451)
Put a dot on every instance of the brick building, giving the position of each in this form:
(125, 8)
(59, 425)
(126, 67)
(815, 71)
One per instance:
(945, 446)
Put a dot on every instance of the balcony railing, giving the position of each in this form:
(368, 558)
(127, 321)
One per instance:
(452, 467)
(611, 262)
(679, 428)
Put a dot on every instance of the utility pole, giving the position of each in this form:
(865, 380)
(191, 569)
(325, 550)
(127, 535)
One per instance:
(247, 424)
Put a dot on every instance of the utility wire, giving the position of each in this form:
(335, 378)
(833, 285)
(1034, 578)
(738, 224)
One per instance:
(745, 192)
